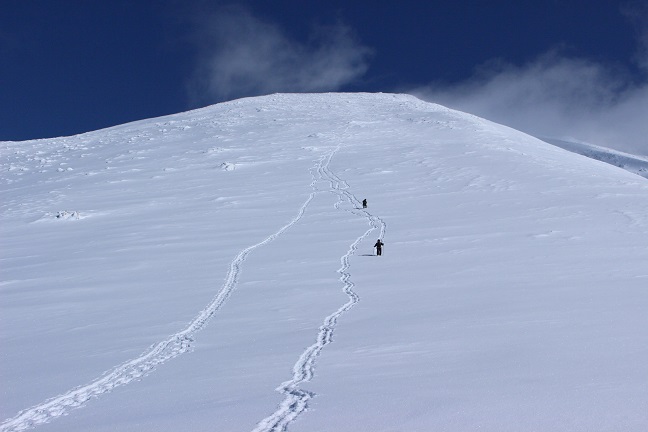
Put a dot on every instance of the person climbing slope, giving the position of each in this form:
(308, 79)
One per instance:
(379, 244)
(364, 203)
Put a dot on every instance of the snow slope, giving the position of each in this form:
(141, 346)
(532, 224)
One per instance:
(214, 270)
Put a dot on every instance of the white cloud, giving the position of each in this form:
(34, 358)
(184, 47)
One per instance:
(241, 55)
(556, 96)
(562, 96)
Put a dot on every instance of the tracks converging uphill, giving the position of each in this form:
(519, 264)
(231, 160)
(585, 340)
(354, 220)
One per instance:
(181, 342)
(296, 399)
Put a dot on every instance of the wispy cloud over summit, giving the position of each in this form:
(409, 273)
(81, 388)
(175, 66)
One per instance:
(242, 55)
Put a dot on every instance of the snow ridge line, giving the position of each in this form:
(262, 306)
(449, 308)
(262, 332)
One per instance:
(159, 353)
(296, 399)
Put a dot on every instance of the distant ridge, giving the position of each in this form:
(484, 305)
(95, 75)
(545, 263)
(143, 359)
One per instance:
(629, 162)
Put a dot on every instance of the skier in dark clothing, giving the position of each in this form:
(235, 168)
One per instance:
(364, 203)
(379, 244)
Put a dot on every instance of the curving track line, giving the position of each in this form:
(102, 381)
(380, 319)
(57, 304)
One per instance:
(296, 399)
(175, 345)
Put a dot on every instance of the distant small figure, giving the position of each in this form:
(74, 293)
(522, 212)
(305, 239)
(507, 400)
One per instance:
(379, 244)
(364, 203)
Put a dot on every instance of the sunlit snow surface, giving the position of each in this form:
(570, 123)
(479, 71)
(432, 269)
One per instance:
(214, 270)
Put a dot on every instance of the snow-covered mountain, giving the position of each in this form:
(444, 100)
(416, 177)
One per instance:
(215, 270)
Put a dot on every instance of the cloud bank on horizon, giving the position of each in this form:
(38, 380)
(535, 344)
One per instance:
(557, 95)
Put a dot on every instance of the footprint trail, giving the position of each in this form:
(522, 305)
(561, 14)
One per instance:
(296, 398)
(175, 345)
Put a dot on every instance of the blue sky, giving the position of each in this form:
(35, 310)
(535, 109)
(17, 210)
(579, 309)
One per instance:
(556, 68)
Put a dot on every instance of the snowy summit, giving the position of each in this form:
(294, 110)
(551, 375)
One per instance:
(215, 270)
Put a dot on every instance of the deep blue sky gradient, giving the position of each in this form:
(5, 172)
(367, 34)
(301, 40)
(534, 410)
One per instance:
(71, 66)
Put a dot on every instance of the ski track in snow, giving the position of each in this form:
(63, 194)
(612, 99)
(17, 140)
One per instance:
(180, 342)
(296, 398)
